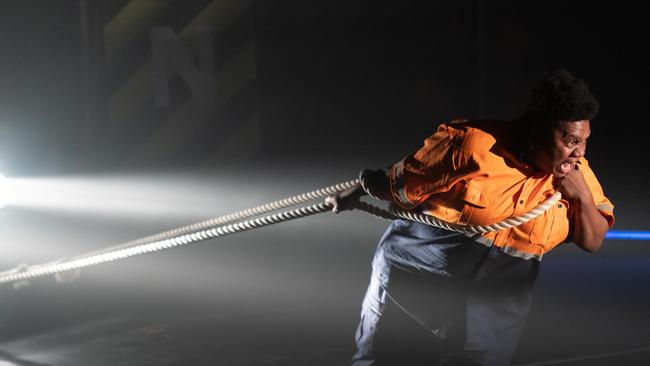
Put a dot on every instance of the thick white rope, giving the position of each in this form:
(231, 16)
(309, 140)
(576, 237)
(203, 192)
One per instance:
(465, 229)
(66, 265)
(223, 225)
(236, 216)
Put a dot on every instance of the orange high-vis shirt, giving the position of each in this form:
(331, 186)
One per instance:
(462, 175)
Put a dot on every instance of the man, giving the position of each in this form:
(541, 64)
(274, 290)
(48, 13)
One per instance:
(478, 173)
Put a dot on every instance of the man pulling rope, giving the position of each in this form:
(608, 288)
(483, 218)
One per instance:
(478, 173)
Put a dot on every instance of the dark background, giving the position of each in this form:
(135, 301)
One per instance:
(339, 86)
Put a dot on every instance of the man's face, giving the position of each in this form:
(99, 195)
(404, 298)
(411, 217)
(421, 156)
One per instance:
(567, 144)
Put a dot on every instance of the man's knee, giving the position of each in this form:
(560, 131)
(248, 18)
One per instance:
(380, 258)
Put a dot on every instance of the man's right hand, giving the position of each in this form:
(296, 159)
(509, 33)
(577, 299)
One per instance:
(342, 201)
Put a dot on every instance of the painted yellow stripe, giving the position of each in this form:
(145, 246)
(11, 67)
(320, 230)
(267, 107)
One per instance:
(240, 71)
(135, 93)
(129, 22)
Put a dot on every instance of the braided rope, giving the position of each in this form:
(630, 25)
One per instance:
(236, 216)
(40, 270)
(393, 213)
(223, 225)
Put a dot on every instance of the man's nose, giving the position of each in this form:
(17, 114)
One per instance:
(579, 151)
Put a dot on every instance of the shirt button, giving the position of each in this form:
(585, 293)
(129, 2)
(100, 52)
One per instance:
(521, 202)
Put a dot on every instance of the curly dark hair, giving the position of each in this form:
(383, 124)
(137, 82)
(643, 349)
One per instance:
(560, 96)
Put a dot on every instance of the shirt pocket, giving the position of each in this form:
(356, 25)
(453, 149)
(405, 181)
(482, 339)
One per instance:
(560, 230)
(551, 228)
(474, 200)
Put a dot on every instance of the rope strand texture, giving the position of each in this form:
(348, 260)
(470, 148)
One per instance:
(226, 225)
(50, 268)
(394, 213)
(236, 216)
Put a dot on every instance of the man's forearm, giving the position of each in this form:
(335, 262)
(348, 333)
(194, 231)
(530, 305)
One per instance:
(590, 227)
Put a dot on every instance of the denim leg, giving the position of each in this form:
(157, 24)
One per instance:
(497, 310)
(410, 246)
(372, 308)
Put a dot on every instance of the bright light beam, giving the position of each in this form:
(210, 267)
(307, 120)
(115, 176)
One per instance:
(133, 196)
(6, 193)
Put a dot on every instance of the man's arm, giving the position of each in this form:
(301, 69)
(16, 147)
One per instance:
(377, 183)
(435, 167)
(589, 226)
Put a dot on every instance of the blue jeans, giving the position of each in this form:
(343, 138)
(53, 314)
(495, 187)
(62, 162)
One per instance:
(496, 291)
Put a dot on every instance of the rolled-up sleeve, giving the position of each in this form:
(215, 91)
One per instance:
(434, 168)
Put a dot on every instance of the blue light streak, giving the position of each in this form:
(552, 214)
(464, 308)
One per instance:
(628, 235)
